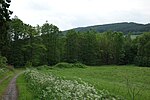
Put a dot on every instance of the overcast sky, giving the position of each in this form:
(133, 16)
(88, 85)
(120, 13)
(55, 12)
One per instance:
(67, 14)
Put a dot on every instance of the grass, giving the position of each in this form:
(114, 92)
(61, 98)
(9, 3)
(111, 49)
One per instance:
(119, 80)
(24, 92)
(5, 73)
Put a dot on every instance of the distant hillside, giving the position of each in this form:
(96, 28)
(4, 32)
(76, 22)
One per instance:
(124, 27)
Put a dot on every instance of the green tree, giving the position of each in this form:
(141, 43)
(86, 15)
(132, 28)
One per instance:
(26, 45)
(143, 54)
(3, 61)
(130, 49)
(88, 47)
(111, 48)
(62, 48)
(50, 36)
(118, 48)
(16, 32)
(4, 35)
(102, 52)
(72, 46)
(34, 48)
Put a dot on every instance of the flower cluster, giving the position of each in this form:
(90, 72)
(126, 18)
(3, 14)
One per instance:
(49, 87)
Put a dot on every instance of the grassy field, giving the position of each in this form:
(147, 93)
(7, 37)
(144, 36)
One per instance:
(131, 82)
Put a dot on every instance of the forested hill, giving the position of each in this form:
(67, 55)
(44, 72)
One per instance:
(124, 27)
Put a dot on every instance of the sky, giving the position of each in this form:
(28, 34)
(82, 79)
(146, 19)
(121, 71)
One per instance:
(68, 14)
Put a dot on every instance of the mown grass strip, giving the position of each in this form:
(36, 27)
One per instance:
(24, 92)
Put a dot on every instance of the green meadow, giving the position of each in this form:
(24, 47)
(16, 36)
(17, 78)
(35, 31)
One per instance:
(130, 82)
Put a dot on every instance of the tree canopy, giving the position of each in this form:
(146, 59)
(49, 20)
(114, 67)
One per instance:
(46, 45)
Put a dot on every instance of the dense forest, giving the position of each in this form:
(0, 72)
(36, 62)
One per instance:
(125, 27)
(23, 44)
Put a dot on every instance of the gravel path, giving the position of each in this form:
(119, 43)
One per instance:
(11, 91)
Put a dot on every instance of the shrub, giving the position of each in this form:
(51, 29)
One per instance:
(70, 65)
(45, 67)
(142, 61)
(2, 71)
(63, 65)
(28, 64)
(3, 61)
(79, 65)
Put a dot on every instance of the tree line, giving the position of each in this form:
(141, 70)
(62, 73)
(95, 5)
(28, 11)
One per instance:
(46, 45)
(23, 44)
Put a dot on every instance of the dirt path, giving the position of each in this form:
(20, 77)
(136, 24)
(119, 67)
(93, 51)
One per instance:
(11, 91)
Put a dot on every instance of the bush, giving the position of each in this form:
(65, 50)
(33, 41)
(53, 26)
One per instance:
(28, 64)
(3, 61)
(79, 65)
(63, 65)
(2, 71)
(44, 67)
(142, 61)
(71, 65)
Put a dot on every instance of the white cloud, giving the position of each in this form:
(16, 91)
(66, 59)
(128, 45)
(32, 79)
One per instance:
(68, 14)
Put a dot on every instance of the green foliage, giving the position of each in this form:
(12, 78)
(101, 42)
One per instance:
(2, 71)
(16, 27)
(50, 38)
(78, 65)
(143, 53)
(88, 48)
(44, 67)
(63, 65)
(72, 46)
(28, 64)
(3, 61)
(69, 65)
(26, 45)
(4, 26)
(111, 48)
(46, 45)
(130, 49)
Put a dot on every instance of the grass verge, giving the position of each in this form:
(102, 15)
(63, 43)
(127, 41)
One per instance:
(24, 92)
